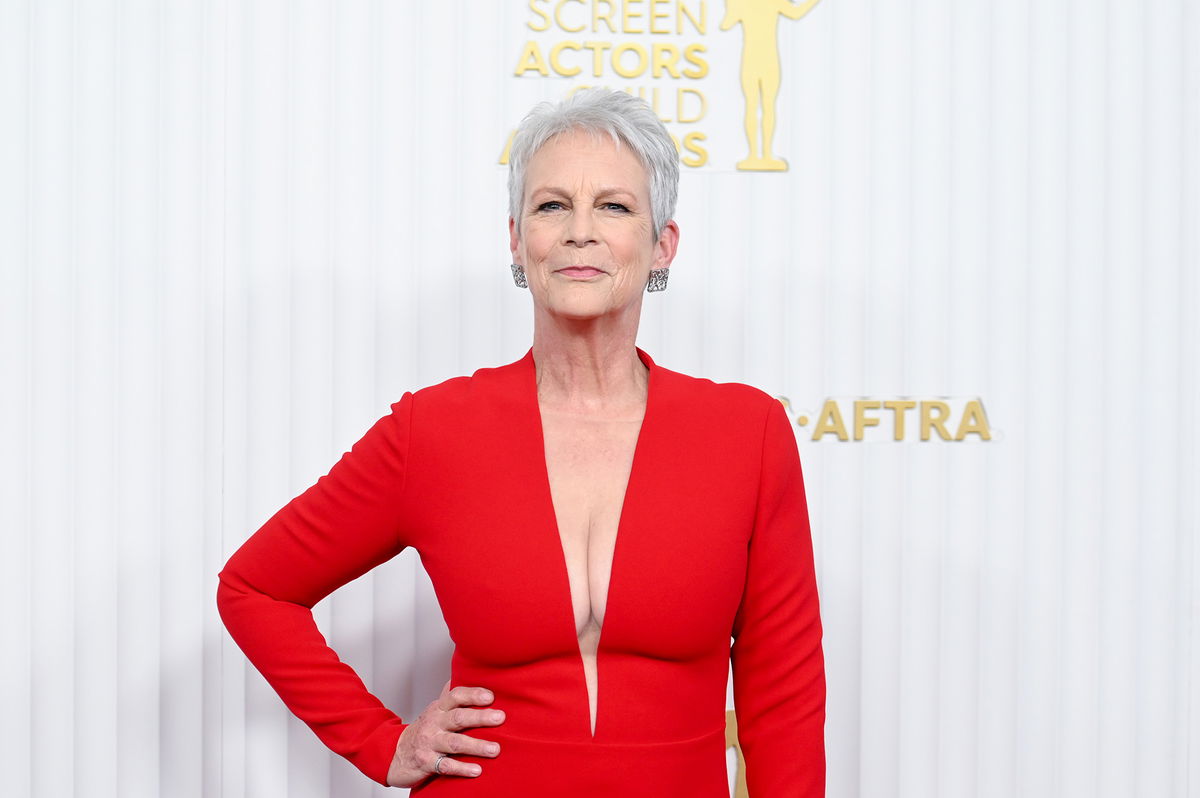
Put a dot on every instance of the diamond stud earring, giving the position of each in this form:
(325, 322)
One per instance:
(518, 273)
(657, 281)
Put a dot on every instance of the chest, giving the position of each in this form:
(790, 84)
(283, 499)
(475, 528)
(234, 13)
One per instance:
(529, 527)
(588, 465)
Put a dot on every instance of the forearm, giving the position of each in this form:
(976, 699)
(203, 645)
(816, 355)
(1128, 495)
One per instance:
(282, 641)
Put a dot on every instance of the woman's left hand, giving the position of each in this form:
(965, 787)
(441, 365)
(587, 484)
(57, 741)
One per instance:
(425, 746)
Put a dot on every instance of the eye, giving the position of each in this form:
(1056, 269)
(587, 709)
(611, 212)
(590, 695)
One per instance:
(615, 206)
(552, 205)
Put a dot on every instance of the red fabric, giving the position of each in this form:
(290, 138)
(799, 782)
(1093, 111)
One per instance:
(713, 542)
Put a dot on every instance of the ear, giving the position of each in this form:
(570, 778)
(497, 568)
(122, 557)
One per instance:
(666, 246)
(513, 239)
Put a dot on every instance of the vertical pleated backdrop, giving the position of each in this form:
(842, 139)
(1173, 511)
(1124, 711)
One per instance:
(231, 233)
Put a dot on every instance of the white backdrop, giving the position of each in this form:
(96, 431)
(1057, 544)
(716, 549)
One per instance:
(232, 232)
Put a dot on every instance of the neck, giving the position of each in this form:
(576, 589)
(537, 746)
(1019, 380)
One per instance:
(588, 363)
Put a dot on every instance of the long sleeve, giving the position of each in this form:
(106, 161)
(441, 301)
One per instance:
(778, 667)
(346, 524)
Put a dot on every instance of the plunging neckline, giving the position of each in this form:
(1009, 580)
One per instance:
(549, 500)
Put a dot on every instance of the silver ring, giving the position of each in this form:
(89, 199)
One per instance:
(437, 764)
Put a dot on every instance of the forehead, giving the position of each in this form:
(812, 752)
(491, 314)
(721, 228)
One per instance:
(582, 156)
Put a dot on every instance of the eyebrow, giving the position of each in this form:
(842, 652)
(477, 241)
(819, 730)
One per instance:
(603, 193)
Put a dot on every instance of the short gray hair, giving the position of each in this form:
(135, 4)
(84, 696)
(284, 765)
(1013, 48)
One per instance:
(627, 119)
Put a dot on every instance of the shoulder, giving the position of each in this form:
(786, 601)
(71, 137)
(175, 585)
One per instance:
(486, 390)
(740, 428)
(726, 416)
(730, 399)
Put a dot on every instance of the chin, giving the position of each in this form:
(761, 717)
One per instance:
(579, 311)
(580, 305)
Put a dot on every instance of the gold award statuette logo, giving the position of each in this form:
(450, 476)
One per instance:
(761, 73)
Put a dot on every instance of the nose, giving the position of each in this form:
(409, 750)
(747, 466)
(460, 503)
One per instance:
(580, 228)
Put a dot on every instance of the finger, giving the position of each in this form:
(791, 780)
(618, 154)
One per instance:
(464, 745)
(452, 767)
(466, 696)
(461, 718)
(445, 690)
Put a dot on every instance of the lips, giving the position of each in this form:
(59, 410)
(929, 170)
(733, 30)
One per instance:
(582, 272)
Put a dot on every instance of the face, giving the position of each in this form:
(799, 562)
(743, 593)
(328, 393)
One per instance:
(585, 236)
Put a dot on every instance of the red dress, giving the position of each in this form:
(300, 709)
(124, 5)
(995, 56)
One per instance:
(713, 543)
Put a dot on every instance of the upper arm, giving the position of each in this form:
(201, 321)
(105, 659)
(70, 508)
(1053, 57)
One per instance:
(347, 523)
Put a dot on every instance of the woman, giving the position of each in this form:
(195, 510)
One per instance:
(596, 527)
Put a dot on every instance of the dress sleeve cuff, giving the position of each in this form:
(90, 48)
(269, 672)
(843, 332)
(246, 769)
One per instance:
(375, 757)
